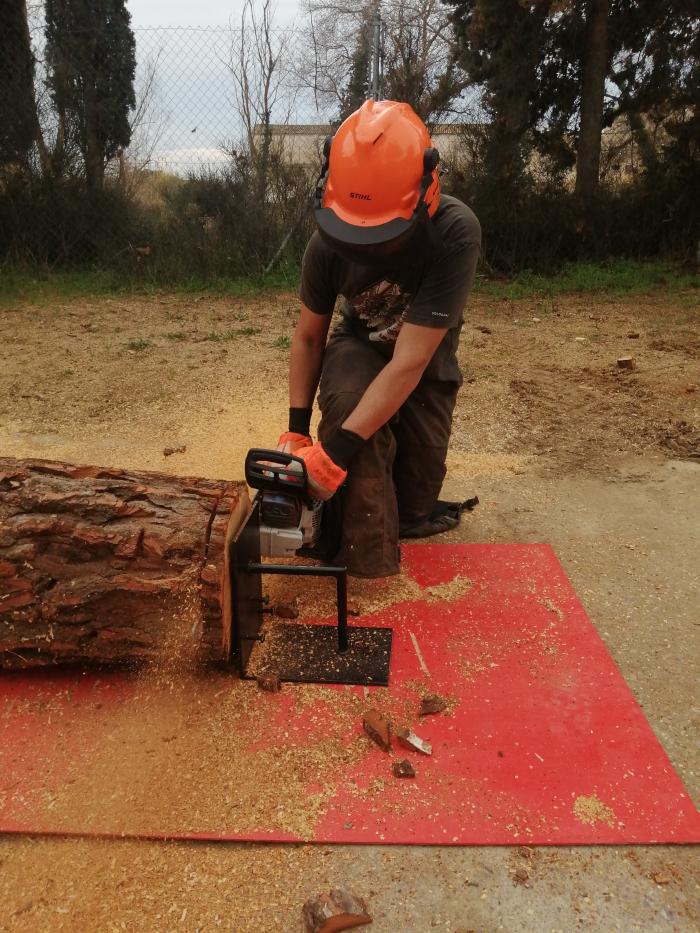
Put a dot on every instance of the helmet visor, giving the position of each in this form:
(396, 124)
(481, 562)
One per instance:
(367, 245)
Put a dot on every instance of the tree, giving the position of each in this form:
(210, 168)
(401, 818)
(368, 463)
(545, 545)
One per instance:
(416, 55)
(357, 90)
(594, 72)
(19, 128)
(499, 44)
(91, 57)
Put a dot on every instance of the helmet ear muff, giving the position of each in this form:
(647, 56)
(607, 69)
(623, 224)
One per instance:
(323, 177)
(431, 160)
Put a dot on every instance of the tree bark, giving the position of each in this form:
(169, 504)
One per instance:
(595, 70)
(94, 148)
(110, 565)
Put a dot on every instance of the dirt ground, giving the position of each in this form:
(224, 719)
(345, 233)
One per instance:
(561, 446)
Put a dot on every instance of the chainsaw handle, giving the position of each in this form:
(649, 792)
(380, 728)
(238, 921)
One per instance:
(273, 469)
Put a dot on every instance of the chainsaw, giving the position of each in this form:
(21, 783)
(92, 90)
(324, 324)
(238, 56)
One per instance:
(287, 520)
(292, 520)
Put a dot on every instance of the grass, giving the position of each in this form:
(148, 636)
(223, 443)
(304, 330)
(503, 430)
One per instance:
(283, 342)
(140, 344)
(20, 285)
(617, 277)
(225, 335)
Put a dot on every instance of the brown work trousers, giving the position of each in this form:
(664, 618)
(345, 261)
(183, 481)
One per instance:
(394, 481)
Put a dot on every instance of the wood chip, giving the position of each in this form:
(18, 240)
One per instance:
(661, 877)
(169, 451)
(625, 362)
(269, 682)
(335, 911)
(378, 728)
(403, 769)
(431, 703)
(410, 740)
(288, 610)
(521, 876)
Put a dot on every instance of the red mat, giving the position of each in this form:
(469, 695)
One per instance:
(542, 742)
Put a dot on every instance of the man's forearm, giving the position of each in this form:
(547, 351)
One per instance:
(383, 398)
(305, 362)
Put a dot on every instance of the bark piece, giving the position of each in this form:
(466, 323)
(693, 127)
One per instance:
(108, 565)
(378, 728)
(431, 703)
(287, 610)
(269, 682)
(403, 769)
(626, 362)
(335, 911)
(169, 451)
(409, 739)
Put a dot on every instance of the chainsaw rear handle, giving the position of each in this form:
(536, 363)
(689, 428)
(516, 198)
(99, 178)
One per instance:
(275, 470)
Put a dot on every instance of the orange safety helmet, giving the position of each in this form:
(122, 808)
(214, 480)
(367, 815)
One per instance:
(379, 180)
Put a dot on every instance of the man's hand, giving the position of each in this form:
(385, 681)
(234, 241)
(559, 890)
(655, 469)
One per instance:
(290, 442)
(325, 476)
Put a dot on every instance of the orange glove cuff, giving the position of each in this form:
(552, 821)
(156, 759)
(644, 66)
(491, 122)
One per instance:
(292, 437)
(321, 468)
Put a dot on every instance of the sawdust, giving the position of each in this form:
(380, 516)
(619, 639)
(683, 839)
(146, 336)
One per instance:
(92, 884)
(454, 589)
(476, 465)
(316, 597)
(591, 810)
(204, 752)
(552, 606)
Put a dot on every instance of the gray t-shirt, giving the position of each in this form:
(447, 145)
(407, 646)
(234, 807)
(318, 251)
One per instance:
(429, 286)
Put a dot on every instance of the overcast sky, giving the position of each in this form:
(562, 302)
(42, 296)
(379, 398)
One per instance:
(193, 116)
(202, 13)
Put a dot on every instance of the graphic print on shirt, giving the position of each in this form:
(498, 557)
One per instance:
(382, 308)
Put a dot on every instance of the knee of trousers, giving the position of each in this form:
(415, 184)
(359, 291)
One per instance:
(335, 408)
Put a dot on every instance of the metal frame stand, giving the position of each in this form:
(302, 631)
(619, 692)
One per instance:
(305, 652)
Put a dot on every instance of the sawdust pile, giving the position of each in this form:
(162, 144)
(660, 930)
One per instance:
(591, 810)
(453, 589)
(93, 884)
(315, 597)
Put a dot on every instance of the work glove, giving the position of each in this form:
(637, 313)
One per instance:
(325, 476)
(290, 442)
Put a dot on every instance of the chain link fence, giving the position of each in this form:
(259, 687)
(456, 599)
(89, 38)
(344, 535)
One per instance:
(168, 154)
(223, 148)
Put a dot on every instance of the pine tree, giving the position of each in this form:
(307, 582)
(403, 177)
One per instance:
(357, 90)
(498, 43)
(17, 107)
(91, 57)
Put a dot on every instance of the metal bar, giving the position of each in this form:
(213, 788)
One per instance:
(292, 570)
(342, 599)
(341, 582)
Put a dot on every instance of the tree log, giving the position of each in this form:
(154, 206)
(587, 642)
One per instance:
(110, 565)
